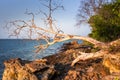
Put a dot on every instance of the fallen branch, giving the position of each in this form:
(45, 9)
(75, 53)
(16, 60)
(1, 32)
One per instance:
(57, 35)
(86, 56)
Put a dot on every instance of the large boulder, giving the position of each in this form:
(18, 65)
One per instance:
(17, 69)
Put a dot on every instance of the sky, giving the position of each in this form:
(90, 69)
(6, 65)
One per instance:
(66, 19)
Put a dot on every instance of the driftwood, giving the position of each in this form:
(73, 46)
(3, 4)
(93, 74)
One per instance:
(56, 34)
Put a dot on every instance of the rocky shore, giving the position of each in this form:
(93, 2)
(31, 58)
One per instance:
(58, 66)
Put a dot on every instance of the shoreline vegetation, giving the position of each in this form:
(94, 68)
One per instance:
(58, 66)
(97, 59)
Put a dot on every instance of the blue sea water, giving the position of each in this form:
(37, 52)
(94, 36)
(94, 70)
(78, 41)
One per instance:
(24, 49)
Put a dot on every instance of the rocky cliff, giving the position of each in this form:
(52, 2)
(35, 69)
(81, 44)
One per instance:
(17, 69)
(58, 66)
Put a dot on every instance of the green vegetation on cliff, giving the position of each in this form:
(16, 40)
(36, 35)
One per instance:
(106, 22)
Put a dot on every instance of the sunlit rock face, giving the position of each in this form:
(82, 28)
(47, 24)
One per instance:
(112, 61)
(17, 69)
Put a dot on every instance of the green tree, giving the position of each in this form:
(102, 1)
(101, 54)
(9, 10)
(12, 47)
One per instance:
(88, 8)
(106, 23)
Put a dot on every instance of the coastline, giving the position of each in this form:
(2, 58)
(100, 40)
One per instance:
(58, 66)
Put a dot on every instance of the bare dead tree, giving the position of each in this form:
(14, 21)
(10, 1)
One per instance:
(88, 8)
(57, 35)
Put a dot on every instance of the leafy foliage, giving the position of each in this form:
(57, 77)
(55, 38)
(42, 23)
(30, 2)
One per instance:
(88, 8)
(106, 23)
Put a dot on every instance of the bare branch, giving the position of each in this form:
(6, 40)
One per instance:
(57, 35)
(86, 56)
(88, 8)
(46, 38)
(45, 14)
(57, 8)
(40, 48)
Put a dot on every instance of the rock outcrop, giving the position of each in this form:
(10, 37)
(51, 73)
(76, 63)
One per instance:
(58, 66)
(17, 69)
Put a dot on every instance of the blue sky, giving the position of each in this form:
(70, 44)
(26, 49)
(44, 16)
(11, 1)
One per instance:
(15, 9)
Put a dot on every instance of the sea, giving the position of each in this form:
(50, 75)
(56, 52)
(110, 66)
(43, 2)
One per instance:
(24, 49)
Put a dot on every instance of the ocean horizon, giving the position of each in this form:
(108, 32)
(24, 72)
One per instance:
(24, 49)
